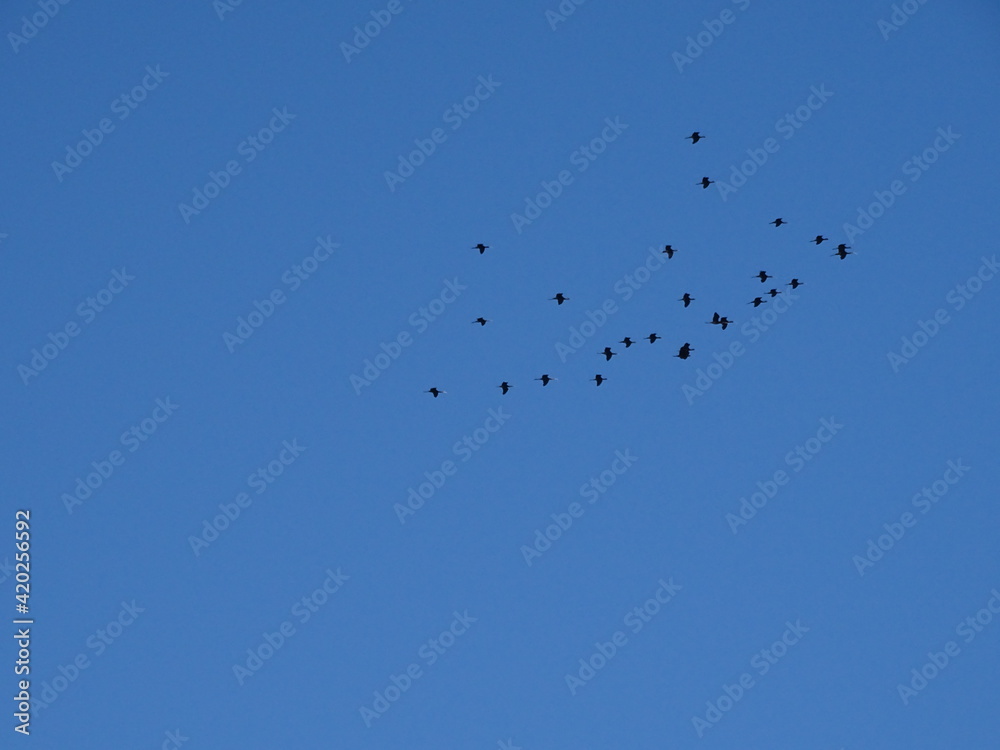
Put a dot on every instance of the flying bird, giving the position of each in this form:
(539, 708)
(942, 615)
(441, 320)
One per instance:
(687, 299)
(435, 392)
(481, 248)
(627, 341)
(669, 250)
(763, 277)
(546, 380)
(774, 293)
(756, 302)
(653, 337)
(719, 321)
(705, 182)
(843, 253)
(794, 284)
(608, 354)
(842, 246)
(504, 387)
(599, 379)
(819, 238)
(684, 352)
(481, 321)
(560, 298)
(695, 137)
(778, 222)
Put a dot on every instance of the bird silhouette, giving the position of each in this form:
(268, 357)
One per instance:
(705, 182)
(669, 250)
(695, 137)
(794, 284)
(435, 392)
(842, 246)
(599, 379)
(819, 238)
(608, 354)
(687, 299)
(560, 298)
(719, 321)
(653, 337)
(627, 341)
(843, 253)
(756, 302)
(778, 222)
(546, 380)
(684, 352)
(504, 387)
(481, 321)
(481, 248)
(774, 292)
(763, 277)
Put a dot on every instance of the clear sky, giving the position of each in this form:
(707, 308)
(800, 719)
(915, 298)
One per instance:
(238, 249)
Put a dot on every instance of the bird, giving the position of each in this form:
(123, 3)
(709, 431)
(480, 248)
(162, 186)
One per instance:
(481, 321)
(560, 298)
(819, 238)
(719, 321)
(505, 386)
(685, 351)
(481, 248)
(774, 292)
(599, 378)
(842, 246)
(687, 299)
(627, 341)
(669, 250)
(705, 182)
(653, 337)
(778, 222)
(435, 392)
(843, 253)
(794, 284)
(608, 354)
(695, 137)
(756, 302)
(546, 380)
(763, 277)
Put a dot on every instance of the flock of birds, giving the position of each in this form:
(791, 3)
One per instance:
(685, 351)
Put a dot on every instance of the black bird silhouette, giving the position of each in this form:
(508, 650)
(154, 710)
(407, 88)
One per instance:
(435, 392)
(687, 299)
(684, 352)
(481, 248)
(794, 284)
(819, 238)
(627, 341)
(599, 378)
(843, 253)
(608, 354)
(669, 250)
(653, 337)
(505, 386)
(705, 182)
(774, 292)
(695, 137)
(546, 380)
(560, 298)
(481, 321)
(717, 321)
(778, 222)
(756, 302)
(842, 246)
(763, 277)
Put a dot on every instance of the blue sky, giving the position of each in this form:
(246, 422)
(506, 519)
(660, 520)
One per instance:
(238, 244)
